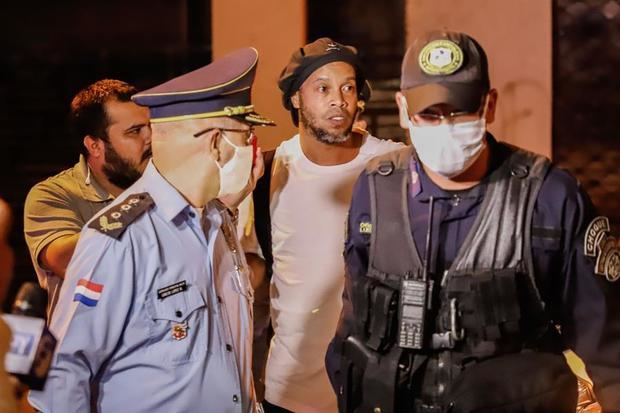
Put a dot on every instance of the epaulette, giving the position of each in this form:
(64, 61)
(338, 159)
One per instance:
(115, 220)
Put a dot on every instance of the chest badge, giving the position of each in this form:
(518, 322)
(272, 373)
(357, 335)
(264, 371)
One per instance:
(179, 330)
(365, 228)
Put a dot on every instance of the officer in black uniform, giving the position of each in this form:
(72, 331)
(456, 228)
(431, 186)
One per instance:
(505, 263)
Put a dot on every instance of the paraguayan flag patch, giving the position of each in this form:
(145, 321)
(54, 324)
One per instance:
(87, 292)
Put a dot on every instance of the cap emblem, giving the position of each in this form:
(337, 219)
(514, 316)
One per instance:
(238, 110)
(332, 47)
(440, 57)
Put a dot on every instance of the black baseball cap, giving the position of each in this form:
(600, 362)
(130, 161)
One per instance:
(307, 59)
(445, 67)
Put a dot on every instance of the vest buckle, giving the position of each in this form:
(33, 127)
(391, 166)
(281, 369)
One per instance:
(448, 339)
(456, 331)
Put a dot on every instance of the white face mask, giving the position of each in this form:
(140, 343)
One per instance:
(449, 148)
(234, 175)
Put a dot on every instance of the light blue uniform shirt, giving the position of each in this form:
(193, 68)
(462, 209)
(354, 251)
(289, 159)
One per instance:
(189, 351)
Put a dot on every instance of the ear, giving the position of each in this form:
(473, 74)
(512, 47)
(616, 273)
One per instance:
(403, 110)
(212, 143)
(94, 146)
(295, 100)
(491, 106)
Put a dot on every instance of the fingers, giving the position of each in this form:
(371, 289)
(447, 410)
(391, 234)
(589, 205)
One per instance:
(259, 166)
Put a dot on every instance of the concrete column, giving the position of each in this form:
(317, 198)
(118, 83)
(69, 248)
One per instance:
(517, 36)
(275, 28)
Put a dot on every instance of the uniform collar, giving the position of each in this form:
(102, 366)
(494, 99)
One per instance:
(168, 199)
(428, 188)
(91, 189)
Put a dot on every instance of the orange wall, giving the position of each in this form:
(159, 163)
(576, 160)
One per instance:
(275, 28)
(517, 36)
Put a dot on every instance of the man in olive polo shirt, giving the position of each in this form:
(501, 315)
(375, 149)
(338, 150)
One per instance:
(116, 136)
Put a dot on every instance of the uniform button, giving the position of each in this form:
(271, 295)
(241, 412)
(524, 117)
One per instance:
(456, 200)
(179, 313)
(192, 214)
(228, 347)
(219, 299)
(235, 398)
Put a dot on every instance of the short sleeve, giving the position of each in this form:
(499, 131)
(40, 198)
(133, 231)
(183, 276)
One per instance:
(49, 213)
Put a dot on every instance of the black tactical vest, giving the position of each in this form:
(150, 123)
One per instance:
(485, 323)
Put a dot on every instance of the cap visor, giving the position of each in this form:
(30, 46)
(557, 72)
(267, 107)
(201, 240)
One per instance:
(257, 119)
(463, 97)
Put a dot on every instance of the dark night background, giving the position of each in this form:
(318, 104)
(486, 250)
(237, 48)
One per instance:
(51, 50)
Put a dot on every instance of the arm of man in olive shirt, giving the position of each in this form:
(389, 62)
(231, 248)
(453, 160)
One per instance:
(52, 227)
(56, 255)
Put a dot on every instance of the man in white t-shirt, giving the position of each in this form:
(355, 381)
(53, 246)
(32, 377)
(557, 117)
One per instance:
(311, 182)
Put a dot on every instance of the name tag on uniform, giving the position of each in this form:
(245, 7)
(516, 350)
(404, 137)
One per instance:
(173, 289)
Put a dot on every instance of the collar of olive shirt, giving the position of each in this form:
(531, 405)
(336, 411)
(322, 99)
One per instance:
(91, 189)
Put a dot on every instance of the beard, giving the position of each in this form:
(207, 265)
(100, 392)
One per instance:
(120, 171)
(309, 122)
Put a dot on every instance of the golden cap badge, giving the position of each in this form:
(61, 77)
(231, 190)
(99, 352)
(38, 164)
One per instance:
(440, 57)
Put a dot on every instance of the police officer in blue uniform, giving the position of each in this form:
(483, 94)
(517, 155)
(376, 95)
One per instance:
(155, 312)
(503, 262)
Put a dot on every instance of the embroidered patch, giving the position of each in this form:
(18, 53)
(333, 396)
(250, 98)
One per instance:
(597, 229)
(105, 225)
(440, 57)
(87, 292)
(365, 228)
(608, 260)
(173, 289)
(604, 247)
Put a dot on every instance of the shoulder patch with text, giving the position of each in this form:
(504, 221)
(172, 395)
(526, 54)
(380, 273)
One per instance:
(599, 244)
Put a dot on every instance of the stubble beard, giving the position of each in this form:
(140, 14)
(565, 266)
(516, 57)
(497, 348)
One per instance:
(322, 135)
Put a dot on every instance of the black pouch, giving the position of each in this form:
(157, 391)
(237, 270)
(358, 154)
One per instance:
(524, 382)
